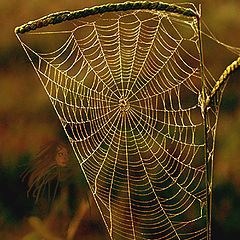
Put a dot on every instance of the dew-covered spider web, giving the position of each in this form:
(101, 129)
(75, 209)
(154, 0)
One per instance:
(127, 88)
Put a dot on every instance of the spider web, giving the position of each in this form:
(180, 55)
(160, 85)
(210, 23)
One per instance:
(126, 87)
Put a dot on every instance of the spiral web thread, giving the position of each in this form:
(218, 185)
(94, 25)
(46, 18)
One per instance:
(126, 87)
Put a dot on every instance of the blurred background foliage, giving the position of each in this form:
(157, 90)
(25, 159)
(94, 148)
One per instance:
(27, 121)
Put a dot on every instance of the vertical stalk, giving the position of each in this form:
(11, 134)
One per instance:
(207, 174)
(201, 55)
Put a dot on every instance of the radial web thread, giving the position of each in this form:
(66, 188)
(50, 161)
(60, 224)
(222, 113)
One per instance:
(126, 87)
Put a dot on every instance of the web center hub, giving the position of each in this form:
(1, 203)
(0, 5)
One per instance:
(124, 105)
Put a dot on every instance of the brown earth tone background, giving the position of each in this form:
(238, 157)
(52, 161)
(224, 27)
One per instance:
(27, 120)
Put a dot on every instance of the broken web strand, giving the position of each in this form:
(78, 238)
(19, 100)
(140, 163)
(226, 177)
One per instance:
(83, 109)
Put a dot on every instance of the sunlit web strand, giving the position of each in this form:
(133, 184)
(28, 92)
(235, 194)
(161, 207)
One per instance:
(126, 87)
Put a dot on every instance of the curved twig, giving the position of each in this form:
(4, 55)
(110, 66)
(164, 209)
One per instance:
(227, 72)
(70, 15)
